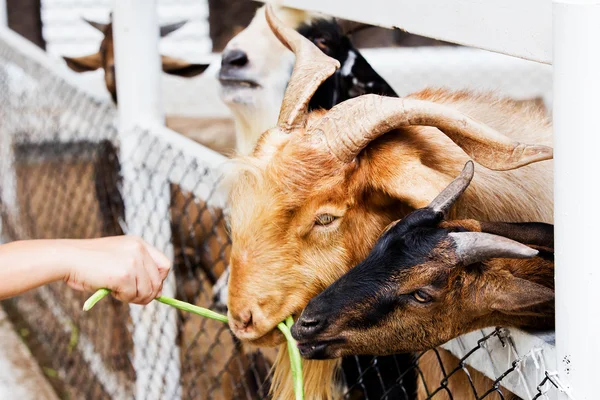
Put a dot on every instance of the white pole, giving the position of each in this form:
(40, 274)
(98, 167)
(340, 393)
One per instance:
(135, 28)
(146, 190)
(3, 13)
(577, 190)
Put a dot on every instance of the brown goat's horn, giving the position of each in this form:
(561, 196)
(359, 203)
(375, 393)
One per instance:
(312, 68)
(350, 126)
(448, 196)
(472, 247)
(101, 27)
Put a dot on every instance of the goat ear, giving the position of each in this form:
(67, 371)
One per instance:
(98, 25)
(167, 29)
(85, 63)
(176, 66)
(413, 183)
(518, 295)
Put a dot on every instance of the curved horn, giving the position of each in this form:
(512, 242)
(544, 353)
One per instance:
(312, 68)
(351, 125)
(99, 26)
(448, 196)
(472, 247)
(167, 29)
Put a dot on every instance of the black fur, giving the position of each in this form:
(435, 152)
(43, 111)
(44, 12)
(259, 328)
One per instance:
(362, 79)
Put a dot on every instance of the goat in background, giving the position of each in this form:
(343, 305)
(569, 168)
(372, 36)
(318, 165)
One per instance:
(105, 57)
(219, 136)
(256, 69)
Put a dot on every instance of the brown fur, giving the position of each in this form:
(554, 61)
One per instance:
(291, 178)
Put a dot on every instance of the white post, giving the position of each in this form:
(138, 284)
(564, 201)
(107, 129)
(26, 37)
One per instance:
(8, 179)
(3, 14)
(135, 28)
(146, 191)
(577, 190)
(4, 165)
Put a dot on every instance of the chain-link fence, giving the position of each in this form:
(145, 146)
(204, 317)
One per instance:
(66, 173)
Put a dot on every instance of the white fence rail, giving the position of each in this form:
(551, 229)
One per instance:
(521, 28)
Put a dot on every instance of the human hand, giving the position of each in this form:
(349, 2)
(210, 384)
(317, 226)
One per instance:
(131, 268)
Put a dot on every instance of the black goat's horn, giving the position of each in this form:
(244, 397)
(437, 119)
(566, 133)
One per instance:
(472, 247)
(454, 190)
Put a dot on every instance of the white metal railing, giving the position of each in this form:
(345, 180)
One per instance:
(521, 28)
(577, 139)
(529, 357)
(3, 13)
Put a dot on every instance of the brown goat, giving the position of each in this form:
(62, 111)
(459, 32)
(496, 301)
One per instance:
(105, 58)
(217, 134)
(321, 187)
(427, 281)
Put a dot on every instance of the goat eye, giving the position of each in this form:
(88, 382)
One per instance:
(321, 43)
(421, 296)
(325, 219)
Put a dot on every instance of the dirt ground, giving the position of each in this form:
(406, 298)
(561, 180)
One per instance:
(20, 376)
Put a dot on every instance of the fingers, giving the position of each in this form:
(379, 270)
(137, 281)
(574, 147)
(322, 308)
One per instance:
(153, 274)
(151, 269)
(137, 269)
(162, 262)
(145, 290)
(126, 288)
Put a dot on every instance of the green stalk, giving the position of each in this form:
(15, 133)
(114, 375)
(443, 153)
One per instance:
(284, 327)
(295, 360)
(182, 305)
(96, 297)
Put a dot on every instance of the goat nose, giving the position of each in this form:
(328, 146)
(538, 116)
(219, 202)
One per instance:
(243, 320)
(234, 57)
(307, 326)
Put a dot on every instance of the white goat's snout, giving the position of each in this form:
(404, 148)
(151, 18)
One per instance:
(220, 292)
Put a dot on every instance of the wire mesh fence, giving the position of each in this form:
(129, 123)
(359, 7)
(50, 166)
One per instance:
(66, 173)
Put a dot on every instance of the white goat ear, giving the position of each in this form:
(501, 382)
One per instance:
(86, 63)
(517, 295)
(176, 66)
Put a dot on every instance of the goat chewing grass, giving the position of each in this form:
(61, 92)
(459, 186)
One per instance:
(284, 327)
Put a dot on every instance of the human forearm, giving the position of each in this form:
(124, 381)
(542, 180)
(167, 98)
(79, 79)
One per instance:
(25, 265)
(131, 268)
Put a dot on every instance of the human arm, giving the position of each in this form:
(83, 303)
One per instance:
(131, 268)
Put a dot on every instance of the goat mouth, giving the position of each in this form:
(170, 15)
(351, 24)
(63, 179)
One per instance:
(319, 350)
(270, 339)
(237, 83)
